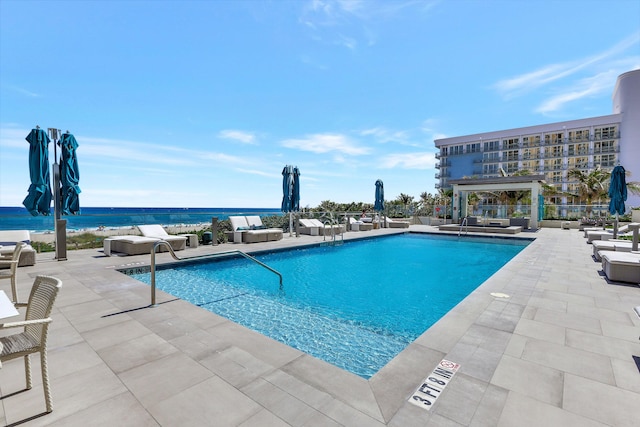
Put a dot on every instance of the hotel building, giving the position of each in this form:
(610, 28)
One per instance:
(553, 149)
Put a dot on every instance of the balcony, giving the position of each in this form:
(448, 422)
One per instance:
(437, 155)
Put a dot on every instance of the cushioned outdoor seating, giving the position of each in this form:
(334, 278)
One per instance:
(33, 339)
(397, 224)
(610, 245)
(249, 229)
(130, 245)
(315, 227)
(605, 234)
(310, 227)
(355, 225)
(177, 243)
(621, 266)
(8, 240)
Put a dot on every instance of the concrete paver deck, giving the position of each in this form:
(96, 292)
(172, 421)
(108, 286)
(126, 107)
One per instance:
(559, 350)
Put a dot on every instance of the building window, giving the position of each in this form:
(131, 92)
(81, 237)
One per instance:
(579, 135)
(509, 144)
(490, 169)
(531, 141)
(510, 155)
(491, 146)
(607, 132)
(604, 147)
(473, 148)
(511, 167)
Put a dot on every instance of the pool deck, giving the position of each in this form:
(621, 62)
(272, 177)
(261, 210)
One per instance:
(559, 351)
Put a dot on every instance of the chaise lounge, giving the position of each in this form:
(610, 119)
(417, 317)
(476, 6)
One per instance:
(610, 245)
(177, 243)
(621, 266)
(605, 234)
(355, 225)
(129, 245)
(249, 229)
(397, 224)
(8, 241)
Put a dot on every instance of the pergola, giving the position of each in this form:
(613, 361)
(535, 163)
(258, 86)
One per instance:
(462, 187)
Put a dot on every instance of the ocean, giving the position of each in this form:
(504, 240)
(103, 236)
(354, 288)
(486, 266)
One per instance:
(18, 218)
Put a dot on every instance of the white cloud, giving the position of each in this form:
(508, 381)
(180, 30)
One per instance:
(553, 72)
(599, 84)
(421, 160)
(325, 143)
(237, 135)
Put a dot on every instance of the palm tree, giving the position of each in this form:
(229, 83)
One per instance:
(592, 186)
(405, 200)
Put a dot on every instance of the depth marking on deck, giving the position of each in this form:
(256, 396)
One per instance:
(425, 396)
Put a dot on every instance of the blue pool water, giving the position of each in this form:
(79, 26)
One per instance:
(356, 305)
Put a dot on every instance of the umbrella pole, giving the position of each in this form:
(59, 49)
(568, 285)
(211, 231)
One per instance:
(60, 228)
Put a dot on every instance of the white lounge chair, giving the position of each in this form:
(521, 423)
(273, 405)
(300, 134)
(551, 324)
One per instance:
(156, 231)
(310, 227)
(605, 234)
(621, 266)
(355, 225)
(397, 224)
(12, 271)
(249, 229)
(610, 245)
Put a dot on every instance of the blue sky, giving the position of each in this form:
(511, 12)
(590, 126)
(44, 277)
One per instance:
(202, 103)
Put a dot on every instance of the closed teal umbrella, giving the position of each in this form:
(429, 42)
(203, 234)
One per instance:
(69, 175)
(38, 201)
(290, 192)
(379, 204)
(617, 191)
(617, 194)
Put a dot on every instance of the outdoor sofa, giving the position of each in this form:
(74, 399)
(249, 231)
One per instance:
(249, 229)
(8, 241)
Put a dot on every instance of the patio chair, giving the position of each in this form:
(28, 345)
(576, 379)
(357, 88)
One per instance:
(36, 328)
(11, 272)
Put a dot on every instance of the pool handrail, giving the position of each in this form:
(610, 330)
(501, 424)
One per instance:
(216, 255)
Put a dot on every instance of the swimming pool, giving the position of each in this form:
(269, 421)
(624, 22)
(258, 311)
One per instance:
(355, 305)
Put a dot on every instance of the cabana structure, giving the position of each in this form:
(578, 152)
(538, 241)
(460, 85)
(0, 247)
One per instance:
(462, 188)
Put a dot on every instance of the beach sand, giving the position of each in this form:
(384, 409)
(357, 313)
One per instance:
(126, 231)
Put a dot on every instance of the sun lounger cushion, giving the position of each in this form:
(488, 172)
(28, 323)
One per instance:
(8, 240)
(621, 266)
(130, 245)
(177, 243)
(609, 245)
(397, 224)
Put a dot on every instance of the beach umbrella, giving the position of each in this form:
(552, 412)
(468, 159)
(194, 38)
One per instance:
(290, 192)
(617, 194)
(69, 175)
(379, 203)
(38, 201)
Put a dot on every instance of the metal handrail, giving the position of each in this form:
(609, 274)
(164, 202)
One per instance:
(207, 256)
(465, 224)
